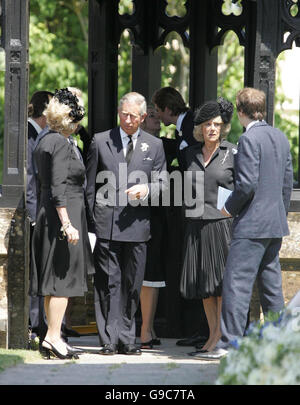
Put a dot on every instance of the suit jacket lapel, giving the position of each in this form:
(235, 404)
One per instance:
(115, 145)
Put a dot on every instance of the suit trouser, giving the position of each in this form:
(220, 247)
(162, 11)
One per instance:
(248, 260)
(120, 268)
(37, 317)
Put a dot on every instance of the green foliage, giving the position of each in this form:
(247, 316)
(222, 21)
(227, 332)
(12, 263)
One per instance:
(10, 357)
(231, 76)
(231, 80)
(58, 50)
(59, 57)
(287, 125)
(124, 65)
(58, 45)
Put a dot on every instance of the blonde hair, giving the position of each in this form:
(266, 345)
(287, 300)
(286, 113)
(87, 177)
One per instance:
(58, 114)
(198, 135)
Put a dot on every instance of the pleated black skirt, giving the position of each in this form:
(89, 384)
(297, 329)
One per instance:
(206, 245)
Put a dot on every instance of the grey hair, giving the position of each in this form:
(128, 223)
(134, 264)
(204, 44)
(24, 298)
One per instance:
(134, 98)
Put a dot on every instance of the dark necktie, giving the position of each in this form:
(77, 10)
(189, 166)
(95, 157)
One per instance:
(129, 150)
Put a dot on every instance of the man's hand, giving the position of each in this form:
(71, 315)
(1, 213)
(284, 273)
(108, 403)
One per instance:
(137, 192)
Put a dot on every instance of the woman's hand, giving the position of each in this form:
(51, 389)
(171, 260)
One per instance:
(72, 234)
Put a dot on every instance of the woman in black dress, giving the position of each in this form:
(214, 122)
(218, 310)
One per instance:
(61, 253)
(208, 234)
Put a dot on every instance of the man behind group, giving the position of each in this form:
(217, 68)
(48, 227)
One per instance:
(259, 205)
(122, 226)
(171, 109)
(36, 123)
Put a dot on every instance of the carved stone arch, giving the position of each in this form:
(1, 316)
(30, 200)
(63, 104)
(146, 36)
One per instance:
(289, 24)
(134, 23)
(221, 35)
(168, 24)
(237, 23)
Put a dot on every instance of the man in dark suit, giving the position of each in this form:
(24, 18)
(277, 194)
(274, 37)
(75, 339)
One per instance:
(171, 109)
(36, 123)
(259, 205)
(126, 171)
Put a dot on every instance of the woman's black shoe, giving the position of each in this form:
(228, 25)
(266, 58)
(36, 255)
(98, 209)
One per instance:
(156, 342)
(199, 346)
(147, 345)
(74, 350)
(44, 352)
(193, 354)
(52, 350)
(192, 341)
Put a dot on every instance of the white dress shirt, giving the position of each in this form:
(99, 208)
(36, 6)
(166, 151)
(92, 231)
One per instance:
(183, 144)
(35, 125)
(125, 140)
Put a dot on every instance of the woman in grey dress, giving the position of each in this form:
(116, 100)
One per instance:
(208, 235)
(61, 253)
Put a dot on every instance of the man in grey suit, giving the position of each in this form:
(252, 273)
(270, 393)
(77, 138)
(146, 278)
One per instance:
(259, 205)
(126, 171)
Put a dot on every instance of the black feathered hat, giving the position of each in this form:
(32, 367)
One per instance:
(211, 109)
(65, 96)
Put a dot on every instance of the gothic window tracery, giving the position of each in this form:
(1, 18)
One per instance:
(234, 7)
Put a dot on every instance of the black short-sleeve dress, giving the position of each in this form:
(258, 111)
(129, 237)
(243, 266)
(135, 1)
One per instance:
(59, 268)
(155, 274)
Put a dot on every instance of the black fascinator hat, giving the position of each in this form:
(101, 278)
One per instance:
(65, 96)
(212, 109)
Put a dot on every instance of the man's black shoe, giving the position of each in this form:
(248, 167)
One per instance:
(130, 349)
(108, 349)
(192, 341)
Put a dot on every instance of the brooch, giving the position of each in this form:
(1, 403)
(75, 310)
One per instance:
(226, 154)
